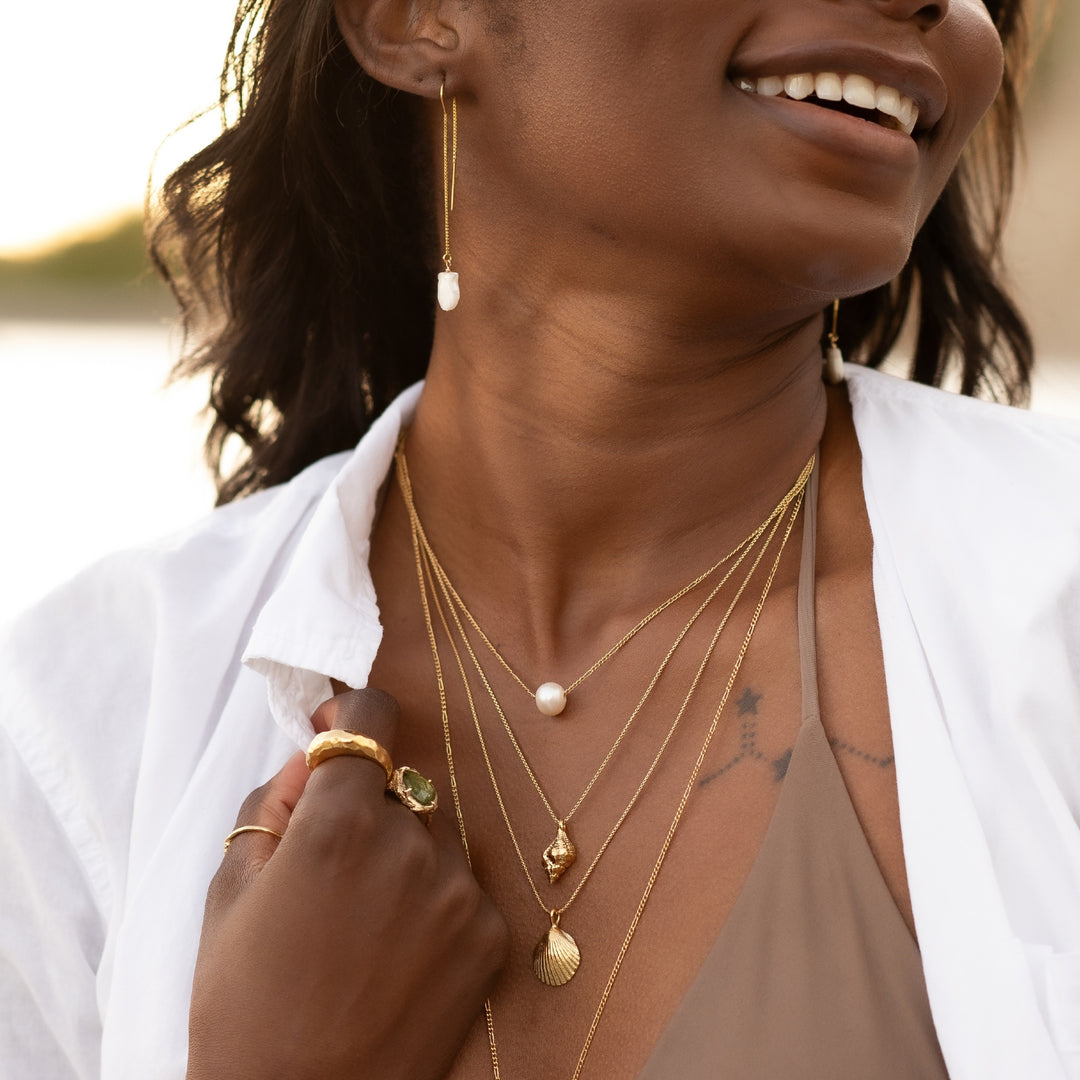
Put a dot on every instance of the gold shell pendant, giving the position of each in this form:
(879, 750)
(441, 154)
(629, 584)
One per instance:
(559, 855)
(556, 958)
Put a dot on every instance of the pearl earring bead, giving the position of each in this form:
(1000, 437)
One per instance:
(449, 290)
(551, 699)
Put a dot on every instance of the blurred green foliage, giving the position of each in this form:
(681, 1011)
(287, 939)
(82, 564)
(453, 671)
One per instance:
(103, 275)
(115, 257)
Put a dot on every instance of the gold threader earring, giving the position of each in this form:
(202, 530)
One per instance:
(834, 358)
(449, 291)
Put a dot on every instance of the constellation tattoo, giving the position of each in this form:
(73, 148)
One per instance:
(862, 755)
(748, 749)
(748, 702)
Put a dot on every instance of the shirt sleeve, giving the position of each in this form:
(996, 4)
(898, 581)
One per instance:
(51, 936)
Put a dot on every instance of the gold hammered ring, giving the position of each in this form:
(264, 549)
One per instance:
(250, 828)
(415, 792)
(328, 744)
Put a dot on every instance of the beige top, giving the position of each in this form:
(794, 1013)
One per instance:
(815, 975)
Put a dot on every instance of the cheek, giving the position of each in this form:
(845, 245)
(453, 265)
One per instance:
(973, 65)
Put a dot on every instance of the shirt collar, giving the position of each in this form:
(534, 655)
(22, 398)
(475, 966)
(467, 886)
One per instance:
(322, 619)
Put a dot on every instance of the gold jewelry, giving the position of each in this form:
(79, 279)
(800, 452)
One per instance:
(557, 940)
(551, 697)
(687, 791)
(250, 828)
(335, 743)
(561, 854)
(449, 291)
(414, 791)
(834, 358)
(553, 957)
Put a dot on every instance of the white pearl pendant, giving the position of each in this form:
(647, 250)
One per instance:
(551, 699)
(834, 366)
(449, 290)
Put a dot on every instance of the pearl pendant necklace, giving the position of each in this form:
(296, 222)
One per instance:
(550, 699)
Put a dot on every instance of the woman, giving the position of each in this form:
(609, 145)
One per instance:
(624, 487)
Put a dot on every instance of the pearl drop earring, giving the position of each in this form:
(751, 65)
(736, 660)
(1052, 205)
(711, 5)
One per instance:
(449, 292)
(834, 358)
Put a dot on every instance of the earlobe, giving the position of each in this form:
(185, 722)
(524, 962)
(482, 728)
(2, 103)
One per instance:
(406, 44)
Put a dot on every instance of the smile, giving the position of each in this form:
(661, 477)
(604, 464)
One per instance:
(855, 95)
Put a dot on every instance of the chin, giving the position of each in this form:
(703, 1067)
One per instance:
(844, 262)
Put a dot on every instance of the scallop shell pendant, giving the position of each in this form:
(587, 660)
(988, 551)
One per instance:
(560, 854)
(556, 958)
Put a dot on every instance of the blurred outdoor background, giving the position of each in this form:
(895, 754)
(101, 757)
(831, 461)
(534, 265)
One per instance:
(96, 453)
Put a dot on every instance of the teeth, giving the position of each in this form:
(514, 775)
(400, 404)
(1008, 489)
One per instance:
(828, 87)
(798, 87)
(909, 115)
(888, 101)
(860, 92)
(856, 90)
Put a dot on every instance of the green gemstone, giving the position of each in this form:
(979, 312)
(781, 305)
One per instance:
(421, 789)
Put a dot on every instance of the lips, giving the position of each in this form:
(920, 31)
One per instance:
(893, 84)
(851, 92)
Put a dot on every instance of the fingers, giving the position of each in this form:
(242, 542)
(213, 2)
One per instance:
(369, 712)
(271, 806)
(268, 807)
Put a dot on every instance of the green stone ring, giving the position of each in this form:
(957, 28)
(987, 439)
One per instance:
(414, 791)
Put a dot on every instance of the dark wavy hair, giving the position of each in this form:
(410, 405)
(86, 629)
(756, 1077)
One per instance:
(300, 246)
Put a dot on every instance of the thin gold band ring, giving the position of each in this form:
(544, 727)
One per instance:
(250, 828)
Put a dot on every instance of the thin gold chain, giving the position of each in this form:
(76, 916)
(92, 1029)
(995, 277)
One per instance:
(687, 792)
(449, 170)
(454, 603)
(653, 765)
(684, 800)
(406, 487)
(445, 717)
(565, 819)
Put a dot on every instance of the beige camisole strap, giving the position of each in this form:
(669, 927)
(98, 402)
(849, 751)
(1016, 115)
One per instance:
(815, 975)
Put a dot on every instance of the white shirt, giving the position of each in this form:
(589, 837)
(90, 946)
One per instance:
(144, 700)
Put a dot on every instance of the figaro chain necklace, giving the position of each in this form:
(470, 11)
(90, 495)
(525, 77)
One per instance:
(423, 579)
(562, 853)
(550, 697)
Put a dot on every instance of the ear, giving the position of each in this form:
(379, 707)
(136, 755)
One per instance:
(410, 45)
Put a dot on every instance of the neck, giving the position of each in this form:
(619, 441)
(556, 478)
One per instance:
(575, 476)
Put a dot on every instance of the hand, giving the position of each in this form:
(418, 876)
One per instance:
(358, 947)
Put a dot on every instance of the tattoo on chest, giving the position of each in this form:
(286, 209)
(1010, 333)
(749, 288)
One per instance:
(748, 749)
(842, 747)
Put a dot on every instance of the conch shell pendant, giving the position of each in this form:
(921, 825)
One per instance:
(559, 855)
(556, 958)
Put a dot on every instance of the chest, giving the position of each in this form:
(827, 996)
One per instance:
(655, 948)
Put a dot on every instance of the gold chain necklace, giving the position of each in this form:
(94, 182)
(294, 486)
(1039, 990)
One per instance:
(561, 853)
(557, 956)
(684, 800)
(550, 697)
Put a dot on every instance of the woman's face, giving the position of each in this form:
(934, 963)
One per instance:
(703, 131)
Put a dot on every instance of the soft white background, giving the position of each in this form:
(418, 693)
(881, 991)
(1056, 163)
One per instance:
(88, 91)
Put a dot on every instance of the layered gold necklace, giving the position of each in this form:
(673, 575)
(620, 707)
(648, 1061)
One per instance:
(561, 853)
(557, 957)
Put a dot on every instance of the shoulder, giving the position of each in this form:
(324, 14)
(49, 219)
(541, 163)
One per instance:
(975, 518)
(80, 670)
(114, 611)
(896, 414)
(957, 471)
(976, 527)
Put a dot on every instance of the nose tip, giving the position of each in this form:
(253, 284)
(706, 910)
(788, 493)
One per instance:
(926, 15)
